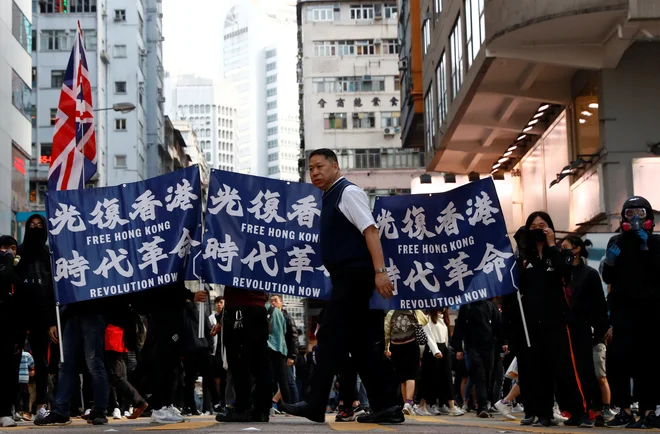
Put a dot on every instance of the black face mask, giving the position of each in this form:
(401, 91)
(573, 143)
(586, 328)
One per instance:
(568, 256)
(536, 235)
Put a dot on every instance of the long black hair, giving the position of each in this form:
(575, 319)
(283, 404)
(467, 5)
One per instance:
(576, 242)
(530, 248)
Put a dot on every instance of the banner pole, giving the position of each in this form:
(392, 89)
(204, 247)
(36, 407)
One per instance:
(200, 329)
(524, 321)
(59, 330)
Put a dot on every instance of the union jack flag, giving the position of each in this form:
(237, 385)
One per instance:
(73, 157)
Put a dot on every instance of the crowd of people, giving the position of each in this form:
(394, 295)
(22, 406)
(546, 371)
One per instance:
(557, 351)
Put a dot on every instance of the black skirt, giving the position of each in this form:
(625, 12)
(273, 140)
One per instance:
(436, 381)
(406, 360)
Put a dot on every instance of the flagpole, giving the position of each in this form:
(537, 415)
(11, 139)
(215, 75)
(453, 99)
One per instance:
(524, 321)
(61, 332)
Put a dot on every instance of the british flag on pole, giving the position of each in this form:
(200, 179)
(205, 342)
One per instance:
(73, 158)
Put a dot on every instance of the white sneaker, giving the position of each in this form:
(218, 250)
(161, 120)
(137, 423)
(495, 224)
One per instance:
(127, 413)
(7, 422)
(456, 411)
(420, 410)
(435, 410)
(444, 410)
(42, 412)
(558, 417)
(116, 414)
(518, 409)
(165, 415)
(408, 409)
(504, 410)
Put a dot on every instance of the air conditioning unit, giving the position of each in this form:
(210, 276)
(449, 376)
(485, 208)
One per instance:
(105, 58)
(403, 64)
(388, 131)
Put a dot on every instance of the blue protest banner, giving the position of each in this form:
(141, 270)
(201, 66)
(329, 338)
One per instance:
(117, 240)
(263, 234)
(445, 249)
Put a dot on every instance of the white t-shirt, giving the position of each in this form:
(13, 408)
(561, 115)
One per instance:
(354, 204)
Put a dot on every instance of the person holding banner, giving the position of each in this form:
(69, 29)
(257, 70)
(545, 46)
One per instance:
(547, 366)
(353, 255)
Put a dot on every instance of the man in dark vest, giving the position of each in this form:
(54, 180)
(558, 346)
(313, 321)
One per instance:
(352, 254)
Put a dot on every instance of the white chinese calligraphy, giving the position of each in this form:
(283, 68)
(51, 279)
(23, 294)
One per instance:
(72, 268)
(300, 261)
(145, 206)
(448, 220)
(266, 211)
(304, 210)
(325, 271)
(395, 276)
(420, 274)
(458, 270)
(180, 197)
(152, 253)
(483, 211)
(108, 218)
(67, 216)
(262, 257)
(386, 225)
(185, 243)
(225, 252)
(115, 262)
(493, 260)
(415, 224)
(228, 199)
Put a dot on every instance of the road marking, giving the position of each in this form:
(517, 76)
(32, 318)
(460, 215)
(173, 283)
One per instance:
(178, 426)
(354, 426)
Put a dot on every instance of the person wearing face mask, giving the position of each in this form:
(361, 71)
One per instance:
(35, 287)
(12, 335)
(631, 267)
(587, 323)
(547, 364)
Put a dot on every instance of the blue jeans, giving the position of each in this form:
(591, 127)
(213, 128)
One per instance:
(362, 393)
(88, 332)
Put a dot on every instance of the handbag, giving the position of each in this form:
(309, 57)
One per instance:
(420, 335)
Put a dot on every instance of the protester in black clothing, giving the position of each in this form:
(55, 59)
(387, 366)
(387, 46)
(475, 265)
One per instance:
(12, 334)
(352, 254)
(36, 289)
(584, 291)
(478, 327)
(547, 365)
(219, 372)
(302, 372)
(632, 267)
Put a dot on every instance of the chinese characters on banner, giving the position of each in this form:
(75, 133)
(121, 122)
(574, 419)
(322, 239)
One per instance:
(117, 240)
(263, 234)
(445, 249)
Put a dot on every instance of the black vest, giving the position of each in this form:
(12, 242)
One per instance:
(343, 247)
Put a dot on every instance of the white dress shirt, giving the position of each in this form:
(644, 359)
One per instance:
(354, 204)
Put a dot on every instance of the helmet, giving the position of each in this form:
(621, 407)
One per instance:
(637, 202)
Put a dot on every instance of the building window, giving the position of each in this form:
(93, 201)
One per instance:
(21, 28)
(271, 118)
(89, 39)
(33, 115)
(53, 116)
(334, 121)
(437, 8)
(271, 131)
(120, 87)
(367, 158)
(390, 119)
(120, 14)
(120, 124)
(475, 27)
(54, 40)
(426, 35)
(46, 150)
(120, 161)
(271, 53)
(52, 7)
(57, 78)
(364, 120)
(397, 83)
(273, 170)
(362, 12)
(273, 157)
(271, 79)
(325, 48)
(391, 11)
(321, 13)
(365, 48)
(82, 6)
(441, 80)
(208, 110)
(120, 51)
(390, 46)
(270, 66)
(456, 58)
(20, 95)
(272, 144)
(34, 40)
(34, 78)
(271, 92)
(429, 109)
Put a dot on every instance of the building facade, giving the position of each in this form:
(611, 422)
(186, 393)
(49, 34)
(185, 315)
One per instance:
(15, 106)
(350, 93)
(257, 41)
(195, 154)
(210, 107)
(558, 98)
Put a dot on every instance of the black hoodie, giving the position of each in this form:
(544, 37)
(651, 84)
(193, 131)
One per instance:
(35, 285)
(11, 324)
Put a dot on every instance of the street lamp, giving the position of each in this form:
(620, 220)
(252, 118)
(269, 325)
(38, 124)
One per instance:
(122, 107)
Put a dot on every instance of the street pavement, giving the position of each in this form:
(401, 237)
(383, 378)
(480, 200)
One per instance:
(468, 424)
